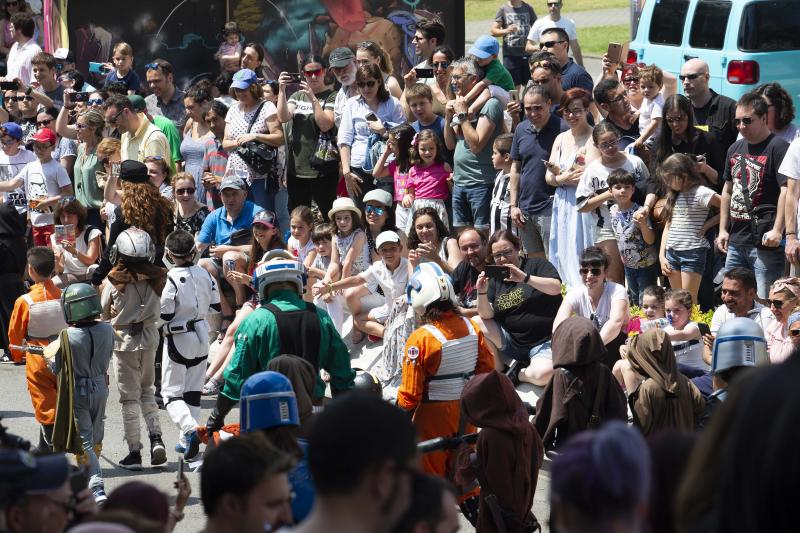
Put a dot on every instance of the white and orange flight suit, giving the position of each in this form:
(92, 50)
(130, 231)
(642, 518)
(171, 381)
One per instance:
(439, 359)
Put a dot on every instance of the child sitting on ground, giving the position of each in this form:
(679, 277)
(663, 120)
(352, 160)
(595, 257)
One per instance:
(322, 237)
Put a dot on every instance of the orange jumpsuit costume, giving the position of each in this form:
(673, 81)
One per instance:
(439, 359)
(41, 380)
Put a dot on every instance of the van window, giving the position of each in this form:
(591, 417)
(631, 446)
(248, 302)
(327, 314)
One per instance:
(666, 23)
(770, 26)
(709, 23)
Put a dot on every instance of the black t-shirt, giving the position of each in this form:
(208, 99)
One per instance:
(524, 312)
(703, 144)
(761, 163)
(717, 117)
(465, 278)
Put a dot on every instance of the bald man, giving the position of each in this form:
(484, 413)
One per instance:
(712, 112)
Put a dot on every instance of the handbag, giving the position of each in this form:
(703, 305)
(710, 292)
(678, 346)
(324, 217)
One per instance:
(260, 157)
(762, 217)
(325, 158)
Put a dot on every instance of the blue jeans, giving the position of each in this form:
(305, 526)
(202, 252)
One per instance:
(259, 196)
(471, 206)
(638, 279)
(766, 264)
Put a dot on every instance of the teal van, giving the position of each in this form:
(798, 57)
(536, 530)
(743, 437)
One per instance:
(745, 42)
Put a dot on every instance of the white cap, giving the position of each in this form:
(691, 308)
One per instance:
(386, 236)
(61, 53)
(380, 196)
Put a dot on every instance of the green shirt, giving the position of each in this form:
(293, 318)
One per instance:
(305, 132)
(173, 137)
(499, 75)
(258, 342)
(476, 169)
(86, 189)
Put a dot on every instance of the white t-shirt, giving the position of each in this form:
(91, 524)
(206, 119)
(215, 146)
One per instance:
(392, 283)
(43, 181)
(594, 181)
(581, 304)
(544, 23)
(237, 122)
(19, 61)
(688, 216)
(689, 353)
(10, 167)
(758, 313)
(300, 252)
(790, 167)
(73, 265)
(649, 110)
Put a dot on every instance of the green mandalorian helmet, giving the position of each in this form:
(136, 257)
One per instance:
(80, 302)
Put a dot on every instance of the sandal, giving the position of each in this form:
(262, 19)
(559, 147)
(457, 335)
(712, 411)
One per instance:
(211, 387)
(223, 328)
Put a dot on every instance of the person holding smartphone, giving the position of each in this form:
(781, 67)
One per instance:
(517, 305)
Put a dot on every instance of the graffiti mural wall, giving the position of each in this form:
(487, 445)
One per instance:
(188, 32)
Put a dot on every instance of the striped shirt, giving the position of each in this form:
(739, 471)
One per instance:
(688, 216)
(500, 206)
(215, 160)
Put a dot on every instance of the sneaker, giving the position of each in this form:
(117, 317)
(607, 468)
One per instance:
(6, 358)
(192, 445)
(158, 452)
(211, 388)
(180, 448)
(133, 461)
(99, 496)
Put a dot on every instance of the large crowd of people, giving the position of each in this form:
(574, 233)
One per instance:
(483, 222)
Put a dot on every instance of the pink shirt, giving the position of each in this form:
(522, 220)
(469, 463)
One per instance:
(429, 183)
(779, 343)
(400, 180)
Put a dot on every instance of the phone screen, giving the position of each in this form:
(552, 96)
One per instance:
(496, 271)
(372, 117)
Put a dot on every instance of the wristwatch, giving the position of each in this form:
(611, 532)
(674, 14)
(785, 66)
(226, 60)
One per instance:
(462, 117)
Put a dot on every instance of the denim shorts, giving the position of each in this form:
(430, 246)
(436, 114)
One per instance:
(471, 205)
(513, 350)
(693, 260)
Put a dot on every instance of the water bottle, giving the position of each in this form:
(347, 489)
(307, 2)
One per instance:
(659, 323)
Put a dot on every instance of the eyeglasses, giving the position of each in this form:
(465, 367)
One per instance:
(675, 120)
(794, 332)
(744, 120)
(370, 84)
(315, 72)
(40, 123)
(550, 44)
(500, 255)
(620, 97)
(574, 112)
(181, 192)
(595, 271)
(684, 77)
(95, 101)
(113, 120)
(609, 145)
(377, 211)
(443, 65)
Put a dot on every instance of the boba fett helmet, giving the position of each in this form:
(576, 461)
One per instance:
(739, 342)
(80, 302)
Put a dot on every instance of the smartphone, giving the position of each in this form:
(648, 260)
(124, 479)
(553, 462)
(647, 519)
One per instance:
(79, 97)
(98, 68)
(115, 168)
(424, 72)
(614, 53)
(230, 265)
(79, 480)
(496, 271)
(296, 76)
(372, 117)
(181, 467)
(9, 85)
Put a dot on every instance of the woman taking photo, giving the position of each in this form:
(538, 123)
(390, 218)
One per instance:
(440, 83)
(197, 102)
(310, 111)
(572, 230)
(517, 310)
(88, 191)
(250, 107)
(189, 213)
(81, 250)
(373, 112)
(593, 194)
(600, 300)
(371, 53)
(428, 241)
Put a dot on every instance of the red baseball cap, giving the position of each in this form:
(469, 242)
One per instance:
(45, 135)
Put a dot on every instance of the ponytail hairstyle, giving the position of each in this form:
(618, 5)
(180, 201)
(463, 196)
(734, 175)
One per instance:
(425, 135)
(403, 135)
(677, 166)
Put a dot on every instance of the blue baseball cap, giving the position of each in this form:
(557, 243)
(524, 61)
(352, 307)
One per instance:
(484, 47)
(243, 79)
(12, 129)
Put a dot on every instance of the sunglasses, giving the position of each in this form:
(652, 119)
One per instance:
(746, 121)
(81, 126)
(684, 77)
(64, 200)
(181, 192)
(794, 332)
(152, 66)
(12, 3)
(609, 145)
(550, 44)
(628, 81)
(675, 120)
(20, 98)
(40, 123)
(315, 72)
(95, 101)
(553, 4)
(777, 304)
(113, 120)
(441, 65)
(595, 271)
(150, 158)
(370, 84)
(377, 211)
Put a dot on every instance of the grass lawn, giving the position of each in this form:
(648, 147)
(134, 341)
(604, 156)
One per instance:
(486, 9)
(594, 41)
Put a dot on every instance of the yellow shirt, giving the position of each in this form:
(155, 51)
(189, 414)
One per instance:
(147, 141)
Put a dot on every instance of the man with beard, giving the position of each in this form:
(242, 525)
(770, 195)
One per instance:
(362, 454)
(342, 63)
(472, 244)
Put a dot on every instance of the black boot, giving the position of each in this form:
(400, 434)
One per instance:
(158, 452)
